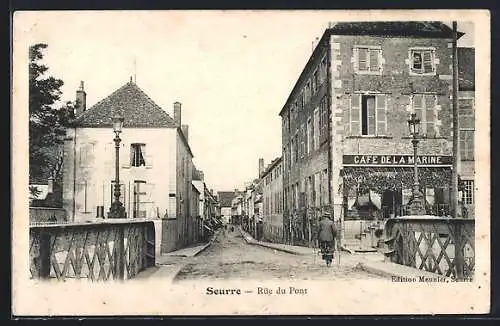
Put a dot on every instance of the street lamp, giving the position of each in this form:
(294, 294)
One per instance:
(117, 210)
(416, 205)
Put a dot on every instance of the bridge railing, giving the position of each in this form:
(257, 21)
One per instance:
(99, 251)
(439, 245)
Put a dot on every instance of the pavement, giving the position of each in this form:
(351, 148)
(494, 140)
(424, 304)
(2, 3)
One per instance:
(370, 261)
(170, 264)
(237, 255)
(346, 256)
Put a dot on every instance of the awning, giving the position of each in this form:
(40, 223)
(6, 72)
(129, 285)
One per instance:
(379, 179)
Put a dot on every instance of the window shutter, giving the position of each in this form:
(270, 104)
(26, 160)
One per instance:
(374, 64)
(416, 61)
(362, 59)
(418, 105)
(354, 116)
(427, 58)
(126, 155)
(429, 115)
(370, 104)
(83, 156)
(381, 115)
(147, 157)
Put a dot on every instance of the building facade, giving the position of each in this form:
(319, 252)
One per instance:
(272, 201)
(153, 185)
(346, 143)
(466, 111)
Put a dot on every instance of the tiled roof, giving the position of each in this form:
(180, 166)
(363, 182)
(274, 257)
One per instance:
(226, 198)
(137, 109)
(429, 29)
(466, 69)
(388, 28)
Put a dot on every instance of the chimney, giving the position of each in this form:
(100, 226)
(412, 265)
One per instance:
(185, 130)
(177, 113)
(81, 100)
(202, 175)
(261, 166)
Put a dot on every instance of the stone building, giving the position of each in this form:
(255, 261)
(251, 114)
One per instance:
(466, 103)
(155, 164)
(346, 143)
(272, 201)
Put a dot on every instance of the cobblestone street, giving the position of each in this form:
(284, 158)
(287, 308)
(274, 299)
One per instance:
(230, 257)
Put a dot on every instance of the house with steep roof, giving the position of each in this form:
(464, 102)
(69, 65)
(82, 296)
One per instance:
(155, 163)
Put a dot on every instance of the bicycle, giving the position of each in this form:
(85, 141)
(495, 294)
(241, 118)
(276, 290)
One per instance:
(326, 251)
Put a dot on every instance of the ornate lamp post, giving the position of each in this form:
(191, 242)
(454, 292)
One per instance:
(416, 205)
(117, 210)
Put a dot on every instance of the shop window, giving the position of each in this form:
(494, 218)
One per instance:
(424, 106)
(422, 61)
(468, 192)
(367, 59)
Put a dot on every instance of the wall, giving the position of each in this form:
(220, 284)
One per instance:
(169, 235)
(272, 192)
(184, 191)
(397, 85)
(467, 167)
(91, 150)
(47, 214)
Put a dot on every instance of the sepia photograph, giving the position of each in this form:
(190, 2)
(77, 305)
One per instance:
(250, 162)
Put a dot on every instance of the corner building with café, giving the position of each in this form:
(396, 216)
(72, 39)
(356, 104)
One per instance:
(347, 119)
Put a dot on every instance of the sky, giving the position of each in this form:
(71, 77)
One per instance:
(231, 70)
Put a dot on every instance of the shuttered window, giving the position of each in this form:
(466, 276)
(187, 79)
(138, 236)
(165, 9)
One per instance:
(381, 115)
(424, 106)
(354, 114)
(367, 59)
(422, 61)
(368, 115)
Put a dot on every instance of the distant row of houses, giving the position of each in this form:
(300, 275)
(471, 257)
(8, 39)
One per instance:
(158, 179)
(346, 147)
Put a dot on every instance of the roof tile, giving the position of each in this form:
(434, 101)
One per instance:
(137, 109)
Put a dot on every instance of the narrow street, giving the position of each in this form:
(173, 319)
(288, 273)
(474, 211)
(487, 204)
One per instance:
(230, 257)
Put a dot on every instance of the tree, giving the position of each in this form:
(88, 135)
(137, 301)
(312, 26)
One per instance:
(47, 124)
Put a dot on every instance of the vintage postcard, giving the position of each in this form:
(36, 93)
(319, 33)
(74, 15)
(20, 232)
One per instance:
(251, 162)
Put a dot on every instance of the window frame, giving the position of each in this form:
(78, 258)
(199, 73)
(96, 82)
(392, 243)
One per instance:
(133, 149)
(411, 50)
(468, 188)
(470, 149)
(369, 48)
(376, 133)
(423, 118)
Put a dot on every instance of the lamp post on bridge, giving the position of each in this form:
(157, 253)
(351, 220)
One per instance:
(117, 210)
(416, 205)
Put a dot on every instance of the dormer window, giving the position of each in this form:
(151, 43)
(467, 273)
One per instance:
(422, 61)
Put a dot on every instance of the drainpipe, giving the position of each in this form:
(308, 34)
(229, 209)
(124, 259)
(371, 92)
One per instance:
(454, 175)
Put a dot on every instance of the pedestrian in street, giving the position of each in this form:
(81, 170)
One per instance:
(327, 235)
(260, 230)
